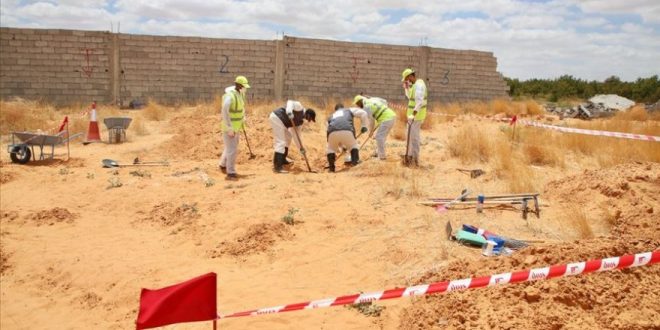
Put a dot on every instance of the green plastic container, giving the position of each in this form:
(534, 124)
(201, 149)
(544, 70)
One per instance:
(465, 237)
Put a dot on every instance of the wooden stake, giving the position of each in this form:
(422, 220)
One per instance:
(215, 324)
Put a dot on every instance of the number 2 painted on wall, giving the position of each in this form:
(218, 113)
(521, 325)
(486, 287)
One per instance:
(223, 66)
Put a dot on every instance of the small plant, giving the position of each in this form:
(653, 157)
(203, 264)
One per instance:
(64, 171)
(141, 173)
(191, 208)
(288, 218)
(114, 183)
(90, 176)
(367, 308)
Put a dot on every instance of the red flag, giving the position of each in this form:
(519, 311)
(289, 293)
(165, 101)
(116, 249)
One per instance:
(64, 122)
(190, 301)
(513, 120)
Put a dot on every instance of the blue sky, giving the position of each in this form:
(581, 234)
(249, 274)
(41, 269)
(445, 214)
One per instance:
(589, 39)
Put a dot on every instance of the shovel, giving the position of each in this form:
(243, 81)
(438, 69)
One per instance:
(252, 156)
(442, 208)
(406, 158)
(295, 130)
(108, 163)
(137, 161)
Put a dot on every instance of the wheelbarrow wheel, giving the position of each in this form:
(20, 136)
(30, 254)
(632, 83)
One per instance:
(20, 154)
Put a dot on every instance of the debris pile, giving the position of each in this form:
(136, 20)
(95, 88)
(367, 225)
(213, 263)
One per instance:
(597, 107)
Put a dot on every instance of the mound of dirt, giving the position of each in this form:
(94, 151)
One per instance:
(4, 260)
(258, 238)
(168, 215)
(195, 138)
(628, 193)
(609, 300)
(51, 217)
(6, 177)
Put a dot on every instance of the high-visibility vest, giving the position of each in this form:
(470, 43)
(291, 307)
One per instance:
(421, 114)
(236, 110)
(379, 110)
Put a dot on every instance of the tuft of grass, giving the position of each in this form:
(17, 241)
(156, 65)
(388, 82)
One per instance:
(138, 126)
(637, 113)
(114, 183)
(577, 219)
(154, 111)
(288, 217)
(367, 308)
(469, 144)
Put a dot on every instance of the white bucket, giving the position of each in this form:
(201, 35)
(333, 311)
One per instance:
(487, 249)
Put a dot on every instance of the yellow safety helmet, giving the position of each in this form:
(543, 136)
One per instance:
(406, 73)
(358, 98)
(242, 81)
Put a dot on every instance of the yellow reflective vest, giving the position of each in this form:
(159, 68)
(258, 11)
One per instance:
(421, 113)
(236, 110)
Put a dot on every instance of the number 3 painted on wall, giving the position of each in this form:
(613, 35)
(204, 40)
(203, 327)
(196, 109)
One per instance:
(445, 78)
(223, 66)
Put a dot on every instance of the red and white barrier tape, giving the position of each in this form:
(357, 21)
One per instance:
(593, 132)
(571, 269)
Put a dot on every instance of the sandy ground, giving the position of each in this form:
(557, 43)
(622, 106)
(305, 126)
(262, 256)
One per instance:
(76, 251)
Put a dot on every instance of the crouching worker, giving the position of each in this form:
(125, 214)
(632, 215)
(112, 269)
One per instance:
(341, 133)
(285, 123)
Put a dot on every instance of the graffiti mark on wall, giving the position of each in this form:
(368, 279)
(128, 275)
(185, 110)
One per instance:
(355, 71)
(87, 69)
(445, 78)
(223, 65)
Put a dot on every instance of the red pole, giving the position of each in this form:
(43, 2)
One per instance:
(215, 324)
(68, 134)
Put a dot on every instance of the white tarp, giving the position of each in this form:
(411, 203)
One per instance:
(613, 101)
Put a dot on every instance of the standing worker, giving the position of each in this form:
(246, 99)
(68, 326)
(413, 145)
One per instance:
(341, 133)
(416, 93)
(233, 120)
(382, 115)
(284, 122)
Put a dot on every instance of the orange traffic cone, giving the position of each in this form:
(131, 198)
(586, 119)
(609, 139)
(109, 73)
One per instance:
(93, 134)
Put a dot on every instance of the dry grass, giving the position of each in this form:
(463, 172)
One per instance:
(138, 126)
(154, 111)
(469, 144)
(538, 151)
(637, 113)
(576, 218)
(402, 182)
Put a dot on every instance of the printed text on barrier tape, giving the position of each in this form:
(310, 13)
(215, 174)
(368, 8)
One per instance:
(535, 274)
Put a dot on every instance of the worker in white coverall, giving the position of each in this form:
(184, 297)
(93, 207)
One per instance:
(416, 92)
(341, 133)
(233, 121)
(381, 115)
(285, 123)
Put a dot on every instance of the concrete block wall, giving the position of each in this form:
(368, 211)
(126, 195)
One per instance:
(185, 69)
(61, 66)
(64, 66)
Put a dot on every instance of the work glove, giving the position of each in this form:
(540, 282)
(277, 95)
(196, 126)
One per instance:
(411, 118)
(363, 130)
(303, 152)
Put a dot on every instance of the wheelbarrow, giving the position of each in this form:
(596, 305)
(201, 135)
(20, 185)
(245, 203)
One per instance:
(22, 150)
(117, 128)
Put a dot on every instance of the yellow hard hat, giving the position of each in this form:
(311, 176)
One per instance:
(358, 98)
(243, 81)
(406, 73)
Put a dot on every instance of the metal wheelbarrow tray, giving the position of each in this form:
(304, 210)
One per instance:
(117, 128)
(21, 151)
